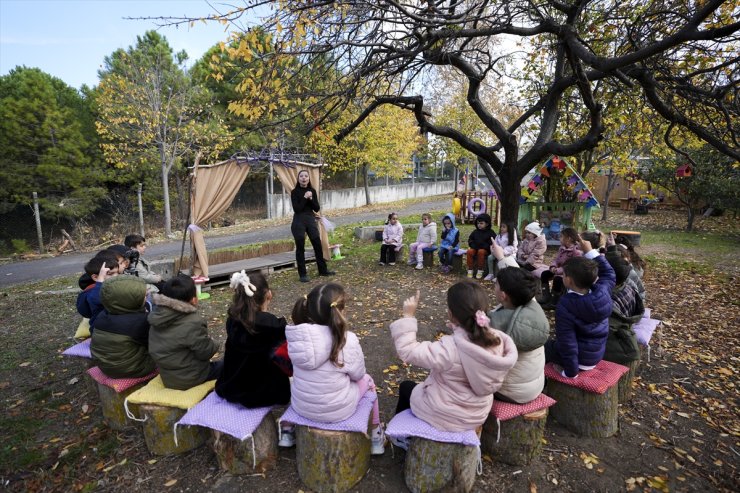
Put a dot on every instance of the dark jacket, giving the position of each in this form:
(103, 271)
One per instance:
(179, 343)
(89, 304)
(481, 239)
(249, 377)
(119, 344)
(582, 322)
(627, 309)
(301, 205)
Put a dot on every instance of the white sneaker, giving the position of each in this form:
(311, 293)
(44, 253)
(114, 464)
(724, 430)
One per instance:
(400, 442)
(489, 277)
(419, 266)
(287, 438)
(479, 274)
(381, 263)
(470, 274)
(392, 263)
(377, 441)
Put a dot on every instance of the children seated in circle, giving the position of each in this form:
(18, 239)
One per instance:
(253, 334)
(450, 242)
(392, 240)
(178, 338)
(582, 314)
(466, 368)
(568, 249)
(329, 376)
(479, 245)
(425, 238)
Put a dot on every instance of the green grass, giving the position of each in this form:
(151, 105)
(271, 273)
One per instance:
(678, 264)
(18, 450)
(706, 242)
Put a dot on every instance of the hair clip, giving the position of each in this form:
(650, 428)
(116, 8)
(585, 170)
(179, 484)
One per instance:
(242, 279)
(333, 304)
(305, 297)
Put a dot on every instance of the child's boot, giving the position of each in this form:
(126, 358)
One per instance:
(287, 437)
(377, 441)
(545, 297)
(479, 274)
(470, 273)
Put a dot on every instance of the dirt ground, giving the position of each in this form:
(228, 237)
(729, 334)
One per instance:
(679, 432)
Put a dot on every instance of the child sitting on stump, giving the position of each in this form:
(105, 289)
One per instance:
(582, 314)
(448, 245)
(467, 367)
(178, 337)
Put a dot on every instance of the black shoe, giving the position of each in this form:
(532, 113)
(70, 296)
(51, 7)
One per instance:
(305, 279)
(327, 273)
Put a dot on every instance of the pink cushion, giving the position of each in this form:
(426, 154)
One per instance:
(504, 411)
(118, 384)
(599, 380)
(81, 349)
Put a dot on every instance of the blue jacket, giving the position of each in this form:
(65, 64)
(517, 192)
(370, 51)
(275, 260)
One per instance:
(450, 237)
(89, 304)
(582, 322)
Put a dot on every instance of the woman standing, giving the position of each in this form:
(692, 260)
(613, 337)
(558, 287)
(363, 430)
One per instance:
(305, 202)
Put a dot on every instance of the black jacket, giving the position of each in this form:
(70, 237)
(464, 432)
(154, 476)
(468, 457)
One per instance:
(301, 205)
(249, 377)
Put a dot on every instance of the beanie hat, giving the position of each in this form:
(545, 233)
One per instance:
(534, 228)
(123, 294)
(621, 267)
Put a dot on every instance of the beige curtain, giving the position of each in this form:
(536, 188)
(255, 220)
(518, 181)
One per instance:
(288, 176)
(213, 190)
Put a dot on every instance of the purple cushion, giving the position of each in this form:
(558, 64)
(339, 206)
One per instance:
(219, 414)
(356, 423)
(405, 424)
(644, 328)
(81, 350)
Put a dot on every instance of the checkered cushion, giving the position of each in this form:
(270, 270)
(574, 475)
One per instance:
(118, 384)
(156, 393)
(406, 424)
(597, 381)
(504, 411)
(356, 423)
(219, 414)
(81, 349)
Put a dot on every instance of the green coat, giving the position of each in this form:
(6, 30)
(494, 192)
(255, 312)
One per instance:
(179, 343)
(628, 308)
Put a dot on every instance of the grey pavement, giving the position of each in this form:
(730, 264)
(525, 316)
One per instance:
(66, 265)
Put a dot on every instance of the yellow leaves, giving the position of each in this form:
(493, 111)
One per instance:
(589, 459)
(171, 482)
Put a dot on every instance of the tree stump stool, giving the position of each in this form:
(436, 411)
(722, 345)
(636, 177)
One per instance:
(513, 433)
(587, 405)
(112, 404)
(331, 461)
(429, 256)
(255, 454)
(159, 433)
(437, 466)
(624, 392)
(457, 261)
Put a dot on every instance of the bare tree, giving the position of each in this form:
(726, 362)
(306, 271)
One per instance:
(683, 56)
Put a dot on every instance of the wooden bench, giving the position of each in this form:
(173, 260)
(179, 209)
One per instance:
(587, 405)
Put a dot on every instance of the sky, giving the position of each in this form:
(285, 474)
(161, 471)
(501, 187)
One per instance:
(69, 39)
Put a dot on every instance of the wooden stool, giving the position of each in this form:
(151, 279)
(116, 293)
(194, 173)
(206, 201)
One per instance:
(256, 454)
(429, 256)
(457, 264)
(114, 412)
(437, 466)
(159, 431)
(624, 392)
(515, 441)
(331, 461)
(587, 405)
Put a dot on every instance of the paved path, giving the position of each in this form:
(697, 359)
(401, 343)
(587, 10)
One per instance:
(65, 265)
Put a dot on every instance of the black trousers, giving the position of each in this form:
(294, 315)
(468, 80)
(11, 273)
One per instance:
(387, 253)
(404, 395)
(305, 224)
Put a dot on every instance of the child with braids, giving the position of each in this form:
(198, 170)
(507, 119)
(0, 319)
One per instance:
(467, 367)
(329, 376)
(249, 376)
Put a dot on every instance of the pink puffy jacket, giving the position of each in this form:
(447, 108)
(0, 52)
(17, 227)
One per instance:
(320, 390)
(458, 393)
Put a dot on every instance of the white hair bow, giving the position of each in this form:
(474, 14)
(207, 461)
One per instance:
(242, 279)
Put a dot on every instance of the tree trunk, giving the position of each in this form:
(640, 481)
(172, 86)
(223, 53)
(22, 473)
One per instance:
(367, 188)
(610, 184)
(509, 197)
(159, 434)
(690, 222)
(251, 455)
(165, 192)
(584, 413)
(436, 466)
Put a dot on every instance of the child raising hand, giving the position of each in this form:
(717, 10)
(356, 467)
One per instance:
(467, 367)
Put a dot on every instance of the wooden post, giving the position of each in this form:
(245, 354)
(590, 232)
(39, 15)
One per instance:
(159, 432)
(141, 210)
(236, 457)
(331, 461)
(519, 440)
(37, 217)
(436, 466)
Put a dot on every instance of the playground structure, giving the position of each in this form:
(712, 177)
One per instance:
(468, 205)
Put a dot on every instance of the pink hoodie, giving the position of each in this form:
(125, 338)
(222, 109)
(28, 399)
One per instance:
(458, 393)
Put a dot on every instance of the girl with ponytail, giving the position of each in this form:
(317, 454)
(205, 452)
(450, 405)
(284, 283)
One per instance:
(466, 368)
(250, 377)
(329, 376)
